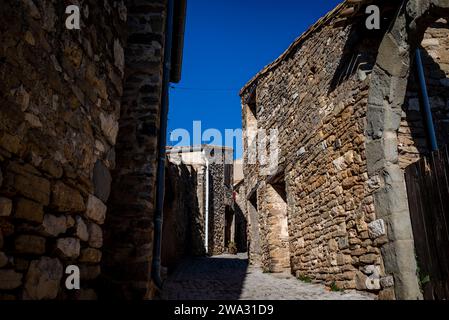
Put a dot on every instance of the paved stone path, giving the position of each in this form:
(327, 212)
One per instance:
(229, 277)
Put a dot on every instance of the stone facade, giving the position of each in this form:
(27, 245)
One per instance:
(71, 100)
(59, 108)
(412, 133)
(209, 161)
(329, 211)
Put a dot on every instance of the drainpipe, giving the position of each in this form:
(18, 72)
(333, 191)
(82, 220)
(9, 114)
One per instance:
(426, 104)
(206, 211)
(160, 189)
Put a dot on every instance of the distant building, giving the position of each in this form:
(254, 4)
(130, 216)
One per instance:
(213, 177)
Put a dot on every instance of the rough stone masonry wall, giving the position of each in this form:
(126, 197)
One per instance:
(317, 99)
(130, 222)
(220, 196)
(59, 105)
(183, 227)
(413, 143)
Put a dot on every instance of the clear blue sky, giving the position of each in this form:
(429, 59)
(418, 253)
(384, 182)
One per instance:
(226, 43)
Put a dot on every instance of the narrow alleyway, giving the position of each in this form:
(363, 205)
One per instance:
(229, 277)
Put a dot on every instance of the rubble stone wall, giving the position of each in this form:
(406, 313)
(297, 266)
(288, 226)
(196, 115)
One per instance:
(317, 99)
(60, 95)
(220, 194)
(413, 143)
(183, 227)
(217, 195)
(129, 237)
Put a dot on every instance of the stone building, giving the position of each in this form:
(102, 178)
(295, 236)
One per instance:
(212, 171)
(81, 129)
(346, 104)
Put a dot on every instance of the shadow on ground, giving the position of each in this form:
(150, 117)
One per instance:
(211, 278)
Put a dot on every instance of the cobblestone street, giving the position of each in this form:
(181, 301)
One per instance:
(228, 277)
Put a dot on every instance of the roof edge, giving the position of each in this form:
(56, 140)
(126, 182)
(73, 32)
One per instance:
(339, 9)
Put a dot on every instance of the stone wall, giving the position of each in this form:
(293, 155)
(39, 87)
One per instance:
(183, 227)
(59, 106)
(220, 190)
(129, 237)
(413, 143)
(317, 98)
(216, 209)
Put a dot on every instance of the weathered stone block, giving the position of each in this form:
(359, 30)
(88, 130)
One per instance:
(70, 222)
(43, 279)
(96, 209)
(10, 279)
(333, 246)
(95, 236)
(387, 282)
(53, 225)
(29, 210)
(33, 120)
(361, 225)
(372, 284)
(29, 244)
(33, 187)
(368, 258)
(81, 229)
(109, 126)
(66, 199)
(68, 247)
(90, 255)
(343, 243)
(11, 143)
(5, 207)
(52, 168)
(376, 229)
(387, 294)
(360, 281)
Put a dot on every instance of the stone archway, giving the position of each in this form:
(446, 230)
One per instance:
(387, 93)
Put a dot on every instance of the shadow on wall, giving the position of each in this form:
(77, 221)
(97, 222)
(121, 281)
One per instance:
(241, 230)
(181, 212)
(413, 137)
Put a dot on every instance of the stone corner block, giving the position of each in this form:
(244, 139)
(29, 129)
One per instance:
(96, 209)
(43, 279)
(376, 229)
(68, 247)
